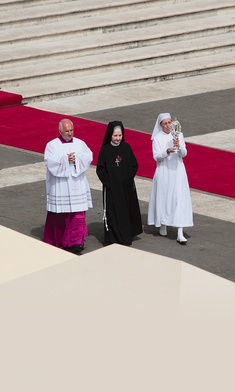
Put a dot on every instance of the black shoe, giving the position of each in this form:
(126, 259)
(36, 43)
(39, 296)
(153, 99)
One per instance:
(76, 249)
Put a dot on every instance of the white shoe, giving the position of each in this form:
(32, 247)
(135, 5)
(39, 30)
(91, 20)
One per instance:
(182, 240)
(163, 230)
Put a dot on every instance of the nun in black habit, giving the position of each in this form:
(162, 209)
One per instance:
(116, 169)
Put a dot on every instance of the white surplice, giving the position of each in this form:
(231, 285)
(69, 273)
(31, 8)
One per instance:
(170, 201)
(66, 184)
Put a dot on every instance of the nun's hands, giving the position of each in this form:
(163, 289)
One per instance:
(169, 150)
(176, 143)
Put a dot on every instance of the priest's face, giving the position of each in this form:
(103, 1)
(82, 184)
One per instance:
(67, 131)
(117, 136)
(166, 125)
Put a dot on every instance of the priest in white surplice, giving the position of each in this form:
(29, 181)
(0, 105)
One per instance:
(170, 201)
(68, 194)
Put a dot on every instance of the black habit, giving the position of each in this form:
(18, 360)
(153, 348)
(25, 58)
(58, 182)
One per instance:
(116, 169)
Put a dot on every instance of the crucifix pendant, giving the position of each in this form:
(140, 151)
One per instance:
(118, 160)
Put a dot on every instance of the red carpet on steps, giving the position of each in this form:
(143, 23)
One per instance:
(208, 169)
(9, 99)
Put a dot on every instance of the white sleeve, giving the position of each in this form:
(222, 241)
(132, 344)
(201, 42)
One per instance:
(183, 149)
(83, 158)
(159, 153)
(57, 165)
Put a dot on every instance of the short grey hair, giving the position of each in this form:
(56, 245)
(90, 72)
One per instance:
(61, 127)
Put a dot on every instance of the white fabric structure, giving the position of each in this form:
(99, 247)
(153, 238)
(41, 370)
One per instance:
(115, 319)
(170, 201)
(66, 184)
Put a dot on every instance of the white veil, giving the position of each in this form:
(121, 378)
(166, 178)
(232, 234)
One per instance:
(157, 126)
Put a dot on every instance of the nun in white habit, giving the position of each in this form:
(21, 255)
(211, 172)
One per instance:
(170, 201)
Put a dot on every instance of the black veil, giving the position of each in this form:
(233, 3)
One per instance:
(109, 131)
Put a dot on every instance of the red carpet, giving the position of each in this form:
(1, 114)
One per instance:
(9, 99)
(208, 169)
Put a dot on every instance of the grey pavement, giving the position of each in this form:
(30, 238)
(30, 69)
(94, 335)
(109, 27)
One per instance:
(198, 114)
(211, 240)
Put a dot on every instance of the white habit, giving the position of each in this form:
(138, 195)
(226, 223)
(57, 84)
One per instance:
(170, 201)
(66, 184)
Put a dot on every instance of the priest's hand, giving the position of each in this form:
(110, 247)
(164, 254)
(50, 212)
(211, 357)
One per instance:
(71, 157)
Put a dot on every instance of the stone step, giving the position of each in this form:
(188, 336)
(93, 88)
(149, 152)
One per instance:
(54, 49)
(128, 20)
(15, 5)
(36, 53)
(36, 11)
(113, 98)
(140, 75)
(29, 12)
(83, 5)
(114, 61)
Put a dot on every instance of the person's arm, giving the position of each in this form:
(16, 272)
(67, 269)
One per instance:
(101, 169)
(57, 165)
(83, 159)
(159, 153)
(182, 146)
(133, 166)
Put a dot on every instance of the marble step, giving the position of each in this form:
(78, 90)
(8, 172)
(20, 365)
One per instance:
(36, 53)
(44, 7)
(71, 25)
(16, 5)
(33, 12)
(140, 75)
(113, 98)
(116, 61)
